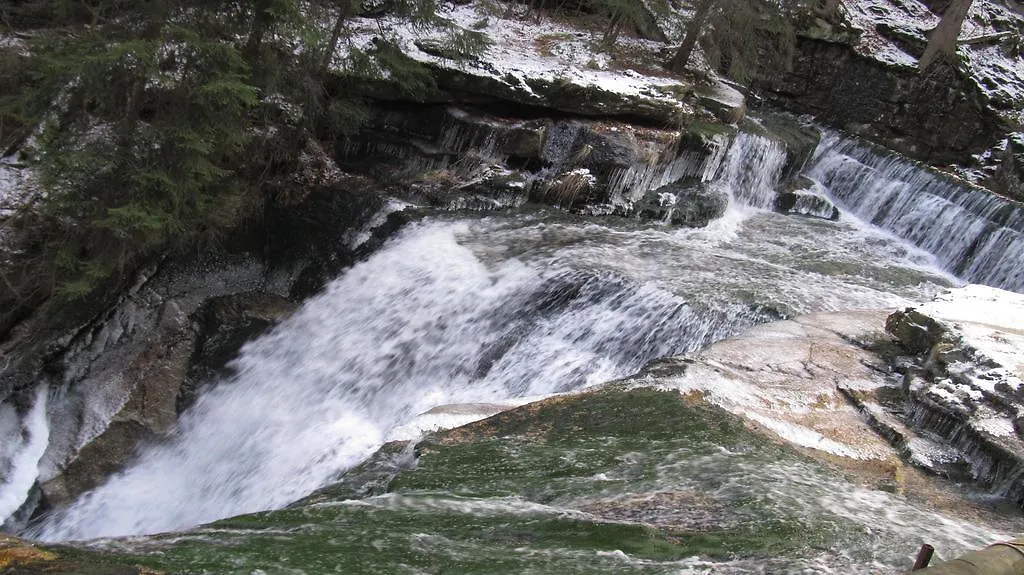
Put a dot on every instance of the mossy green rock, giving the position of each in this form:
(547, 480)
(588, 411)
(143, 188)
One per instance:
(619, 480)
(608, 481)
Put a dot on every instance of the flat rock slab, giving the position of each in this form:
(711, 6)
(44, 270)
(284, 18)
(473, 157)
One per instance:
(786, 377)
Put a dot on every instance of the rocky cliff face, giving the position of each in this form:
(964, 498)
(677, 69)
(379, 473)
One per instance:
(896, 106)
(117, 375)
(499, 132)
(860, 74)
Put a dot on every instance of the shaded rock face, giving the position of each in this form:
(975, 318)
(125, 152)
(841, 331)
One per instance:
(223, 325)
(1008, 179)
(163, 380)
(120, 379)
(938, 117)
(456, 158)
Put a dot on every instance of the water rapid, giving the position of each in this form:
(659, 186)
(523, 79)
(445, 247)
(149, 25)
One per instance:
(422, 323)
(483, 309)
(976, 235)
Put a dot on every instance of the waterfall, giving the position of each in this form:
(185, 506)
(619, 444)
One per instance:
(423, 322)
(974, 234)
(752, 170)
(21, 458)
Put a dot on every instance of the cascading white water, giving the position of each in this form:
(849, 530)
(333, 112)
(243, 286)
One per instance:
(975, 235)
(431, 319)
(423, 322)
(21, 458)
(752, 169)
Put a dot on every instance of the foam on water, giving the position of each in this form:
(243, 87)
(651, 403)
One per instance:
(21, 458)
(974, 234)
(424, 322)
(494, 310)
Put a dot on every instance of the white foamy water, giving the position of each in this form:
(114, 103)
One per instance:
(482, 311)
(752, 169)
(976, 235)
(422, 323)
(21, 458)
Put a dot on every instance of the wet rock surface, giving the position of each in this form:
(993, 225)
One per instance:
(679, 204)
(466, 158)
(952, 406)
(622, 479)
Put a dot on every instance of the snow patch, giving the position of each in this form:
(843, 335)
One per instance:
(531, 50)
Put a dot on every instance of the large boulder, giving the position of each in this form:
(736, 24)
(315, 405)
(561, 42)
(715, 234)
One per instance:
(691, 205)
(896, 106)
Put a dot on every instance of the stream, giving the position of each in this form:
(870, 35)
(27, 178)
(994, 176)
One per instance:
(519, 305)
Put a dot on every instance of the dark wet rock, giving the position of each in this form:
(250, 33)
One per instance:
(806, 199)
(223, 326)
(162, 381)
(681, 204)
(895, 106)
(916, 332)
(455, 158)
(480, 85)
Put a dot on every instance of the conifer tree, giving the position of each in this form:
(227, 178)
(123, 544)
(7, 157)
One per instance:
(154, 115)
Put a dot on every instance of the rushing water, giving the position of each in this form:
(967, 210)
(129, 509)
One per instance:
(462, 310)
(977, 236)
(458, 312)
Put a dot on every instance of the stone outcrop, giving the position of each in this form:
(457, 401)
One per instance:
(163, 380)
(679, 204)
(119, 378)
(457, 158)
(895, 106)
(957, 377)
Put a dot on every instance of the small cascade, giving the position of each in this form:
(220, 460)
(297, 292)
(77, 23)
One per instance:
(974, 234)
(25, 439)
(461, 136)
(424, 322)
(429, 141)
(752, 170)
(629, 184)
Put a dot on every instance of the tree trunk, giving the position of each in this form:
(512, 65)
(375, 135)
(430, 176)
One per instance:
(611, 33)
(693, 30)
(942, 40)
(261, 20)
(345, 11)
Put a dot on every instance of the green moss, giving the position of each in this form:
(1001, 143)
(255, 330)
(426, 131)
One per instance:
(708, 129)
(563, 485)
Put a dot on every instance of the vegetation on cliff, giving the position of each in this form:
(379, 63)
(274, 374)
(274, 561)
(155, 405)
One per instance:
(154, 127)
